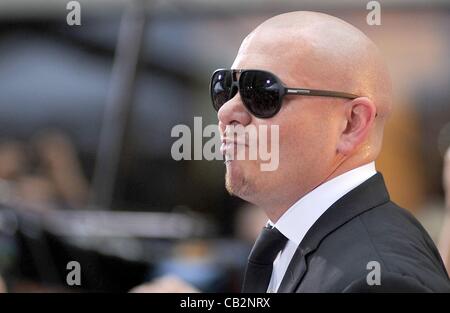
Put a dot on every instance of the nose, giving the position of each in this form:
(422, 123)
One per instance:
(233, 112)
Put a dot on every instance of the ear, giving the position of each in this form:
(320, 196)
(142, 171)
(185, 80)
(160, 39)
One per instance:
(359, 117)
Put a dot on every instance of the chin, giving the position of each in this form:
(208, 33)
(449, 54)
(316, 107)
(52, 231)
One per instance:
(236, 181)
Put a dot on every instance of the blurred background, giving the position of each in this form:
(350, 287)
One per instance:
(86, 114)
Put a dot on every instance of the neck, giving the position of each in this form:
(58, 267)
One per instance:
(275, 210)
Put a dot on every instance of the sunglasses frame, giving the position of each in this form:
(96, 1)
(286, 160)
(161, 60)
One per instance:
(283, 91)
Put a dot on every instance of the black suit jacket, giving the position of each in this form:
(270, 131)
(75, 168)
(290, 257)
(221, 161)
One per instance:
(361, 227)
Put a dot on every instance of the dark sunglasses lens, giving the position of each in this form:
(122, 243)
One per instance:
(221, 83)
(260, 92)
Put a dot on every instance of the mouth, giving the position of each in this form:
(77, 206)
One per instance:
(230, 146)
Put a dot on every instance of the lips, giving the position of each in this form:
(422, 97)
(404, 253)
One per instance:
(230, 144)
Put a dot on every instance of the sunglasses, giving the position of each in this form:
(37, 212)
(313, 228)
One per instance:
(261, 92)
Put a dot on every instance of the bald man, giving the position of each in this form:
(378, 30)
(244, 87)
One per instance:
(332, 226)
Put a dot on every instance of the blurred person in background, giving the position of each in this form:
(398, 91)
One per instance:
(331, 218)
(444, 241)
(248, 223)
(59, 160)
(43, 174)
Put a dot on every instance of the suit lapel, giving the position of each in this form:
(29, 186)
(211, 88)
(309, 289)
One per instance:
(366, 196)
(295, 272)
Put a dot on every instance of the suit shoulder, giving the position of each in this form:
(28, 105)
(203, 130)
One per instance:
(403, 248)
(396, 234)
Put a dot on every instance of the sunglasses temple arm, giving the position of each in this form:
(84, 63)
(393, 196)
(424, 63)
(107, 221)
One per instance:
(323, 93)
(317, 92)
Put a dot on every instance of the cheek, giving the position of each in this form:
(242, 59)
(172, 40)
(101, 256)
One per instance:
(305, 141)
(296, 135)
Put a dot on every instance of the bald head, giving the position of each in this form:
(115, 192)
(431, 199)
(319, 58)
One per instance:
(321, 51)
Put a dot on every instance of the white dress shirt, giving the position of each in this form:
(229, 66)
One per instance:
(298, 219)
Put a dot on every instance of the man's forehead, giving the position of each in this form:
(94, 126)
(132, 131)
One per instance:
(285, 64)
(266, 45)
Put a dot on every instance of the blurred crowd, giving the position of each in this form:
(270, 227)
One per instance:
(44, 174)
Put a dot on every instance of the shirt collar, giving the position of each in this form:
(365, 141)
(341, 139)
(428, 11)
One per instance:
(298, 219)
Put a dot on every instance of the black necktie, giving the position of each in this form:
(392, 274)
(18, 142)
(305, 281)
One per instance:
(260, 261)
